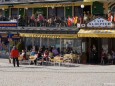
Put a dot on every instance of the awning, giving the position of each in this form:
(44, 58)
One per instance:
(96, 33)
(48, 35)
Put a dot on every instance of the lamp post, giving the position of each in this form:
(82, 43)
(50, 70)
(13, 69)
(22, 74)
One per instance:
(82, 6)
(81, 20)
(26, 16)
(26, 10)
(3, 11)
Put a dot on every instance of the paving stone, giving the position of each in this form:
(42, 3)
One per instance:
(80, 75)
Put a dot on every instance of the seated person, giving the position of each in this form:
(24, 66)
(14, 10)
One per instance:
(22, 56)
(39, 55)
(55, 52)
(45, 55)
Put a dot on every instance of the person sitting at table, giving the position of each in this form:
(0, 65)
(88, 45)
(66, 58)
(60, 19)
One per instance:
(45, 56)
(55, 52)
(39, 56)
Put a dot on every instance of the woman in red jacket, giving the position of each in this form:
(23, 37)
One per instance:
(15, 55)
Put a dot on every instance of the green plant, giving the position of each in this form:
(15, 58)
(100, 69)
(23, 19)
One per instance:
(20, 46)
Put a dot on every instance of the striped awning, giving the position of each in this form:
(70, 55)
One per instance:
(96, 33)
(48, 35)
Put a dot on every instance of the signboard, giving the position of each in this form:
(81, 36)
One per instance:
(100, 22)
(97, 23)
(4, 35)
(8, 24)
(16, 36)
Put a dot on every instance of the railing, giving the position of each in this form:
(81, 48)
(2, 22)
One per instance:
(2, 1)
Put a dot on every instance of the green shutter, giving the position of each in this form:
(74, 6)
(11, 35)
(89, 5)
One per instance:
(97, 8)
(21, 11)
(68, 11)
(7, 13)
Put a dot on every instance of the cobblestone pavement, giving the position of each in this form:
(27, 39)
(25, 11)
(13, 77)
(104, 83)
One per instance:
(78, 75)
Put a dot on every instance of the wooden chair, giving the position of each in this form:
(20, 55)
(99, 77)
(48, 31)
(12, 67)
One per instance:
(32, 58)
(21, 60)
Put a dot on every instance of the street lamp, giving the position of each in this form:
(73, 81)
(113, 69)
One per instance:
(82, 6)
(3, 11)
(26, 8)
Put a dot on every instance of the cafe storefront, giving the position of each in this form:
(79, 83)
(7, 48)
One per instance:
(99, 33)
(60, 41)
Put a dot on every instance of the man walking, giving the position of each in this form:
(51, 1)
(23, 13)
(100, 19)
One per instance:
(15, 55)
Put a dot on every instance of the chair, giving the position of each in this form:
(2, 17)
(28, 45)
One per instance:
(21, 60)
(32, 58)
(57, 59)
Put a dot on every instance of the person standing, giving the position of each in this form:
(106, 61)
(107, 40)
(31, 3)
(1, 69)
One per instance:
(94, 55)
(15, 55)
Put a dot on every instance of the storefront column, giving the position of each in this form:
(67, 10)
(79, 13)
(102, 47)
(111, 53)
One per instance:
(40, 42)
(32, 41)
(60, 45)
(83, 56)
(47, 42)
(72, 11)
(47, 12)
(10, 11)
(100, 49)
(64, 12)
(26, 44)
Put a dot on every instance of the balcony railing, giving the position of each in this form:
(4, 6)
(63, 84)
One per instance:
(24, 1)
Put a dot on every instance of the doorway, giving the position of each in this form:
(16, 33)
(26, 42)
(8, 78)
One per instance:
(94, 44)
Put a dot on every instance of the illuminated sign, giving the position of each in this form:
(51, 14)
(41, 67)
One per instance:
(8, 24)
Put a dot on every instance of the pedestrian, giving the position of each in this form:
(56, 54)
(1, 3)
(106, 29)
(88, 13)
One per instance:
(103, 57)
(15, 55)
(113, 57)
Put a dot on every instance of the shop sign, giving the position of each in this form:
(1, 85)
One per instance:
(100, 22)
(8, 24)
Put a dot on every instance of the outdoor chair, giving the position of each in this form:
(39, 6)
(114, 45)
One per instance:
(23, 61)
(32, 58)
(57, 60)
(72, 57)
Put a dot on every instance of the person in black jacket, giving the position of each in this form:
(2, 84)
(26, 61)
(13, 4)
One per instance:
(94, 55)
